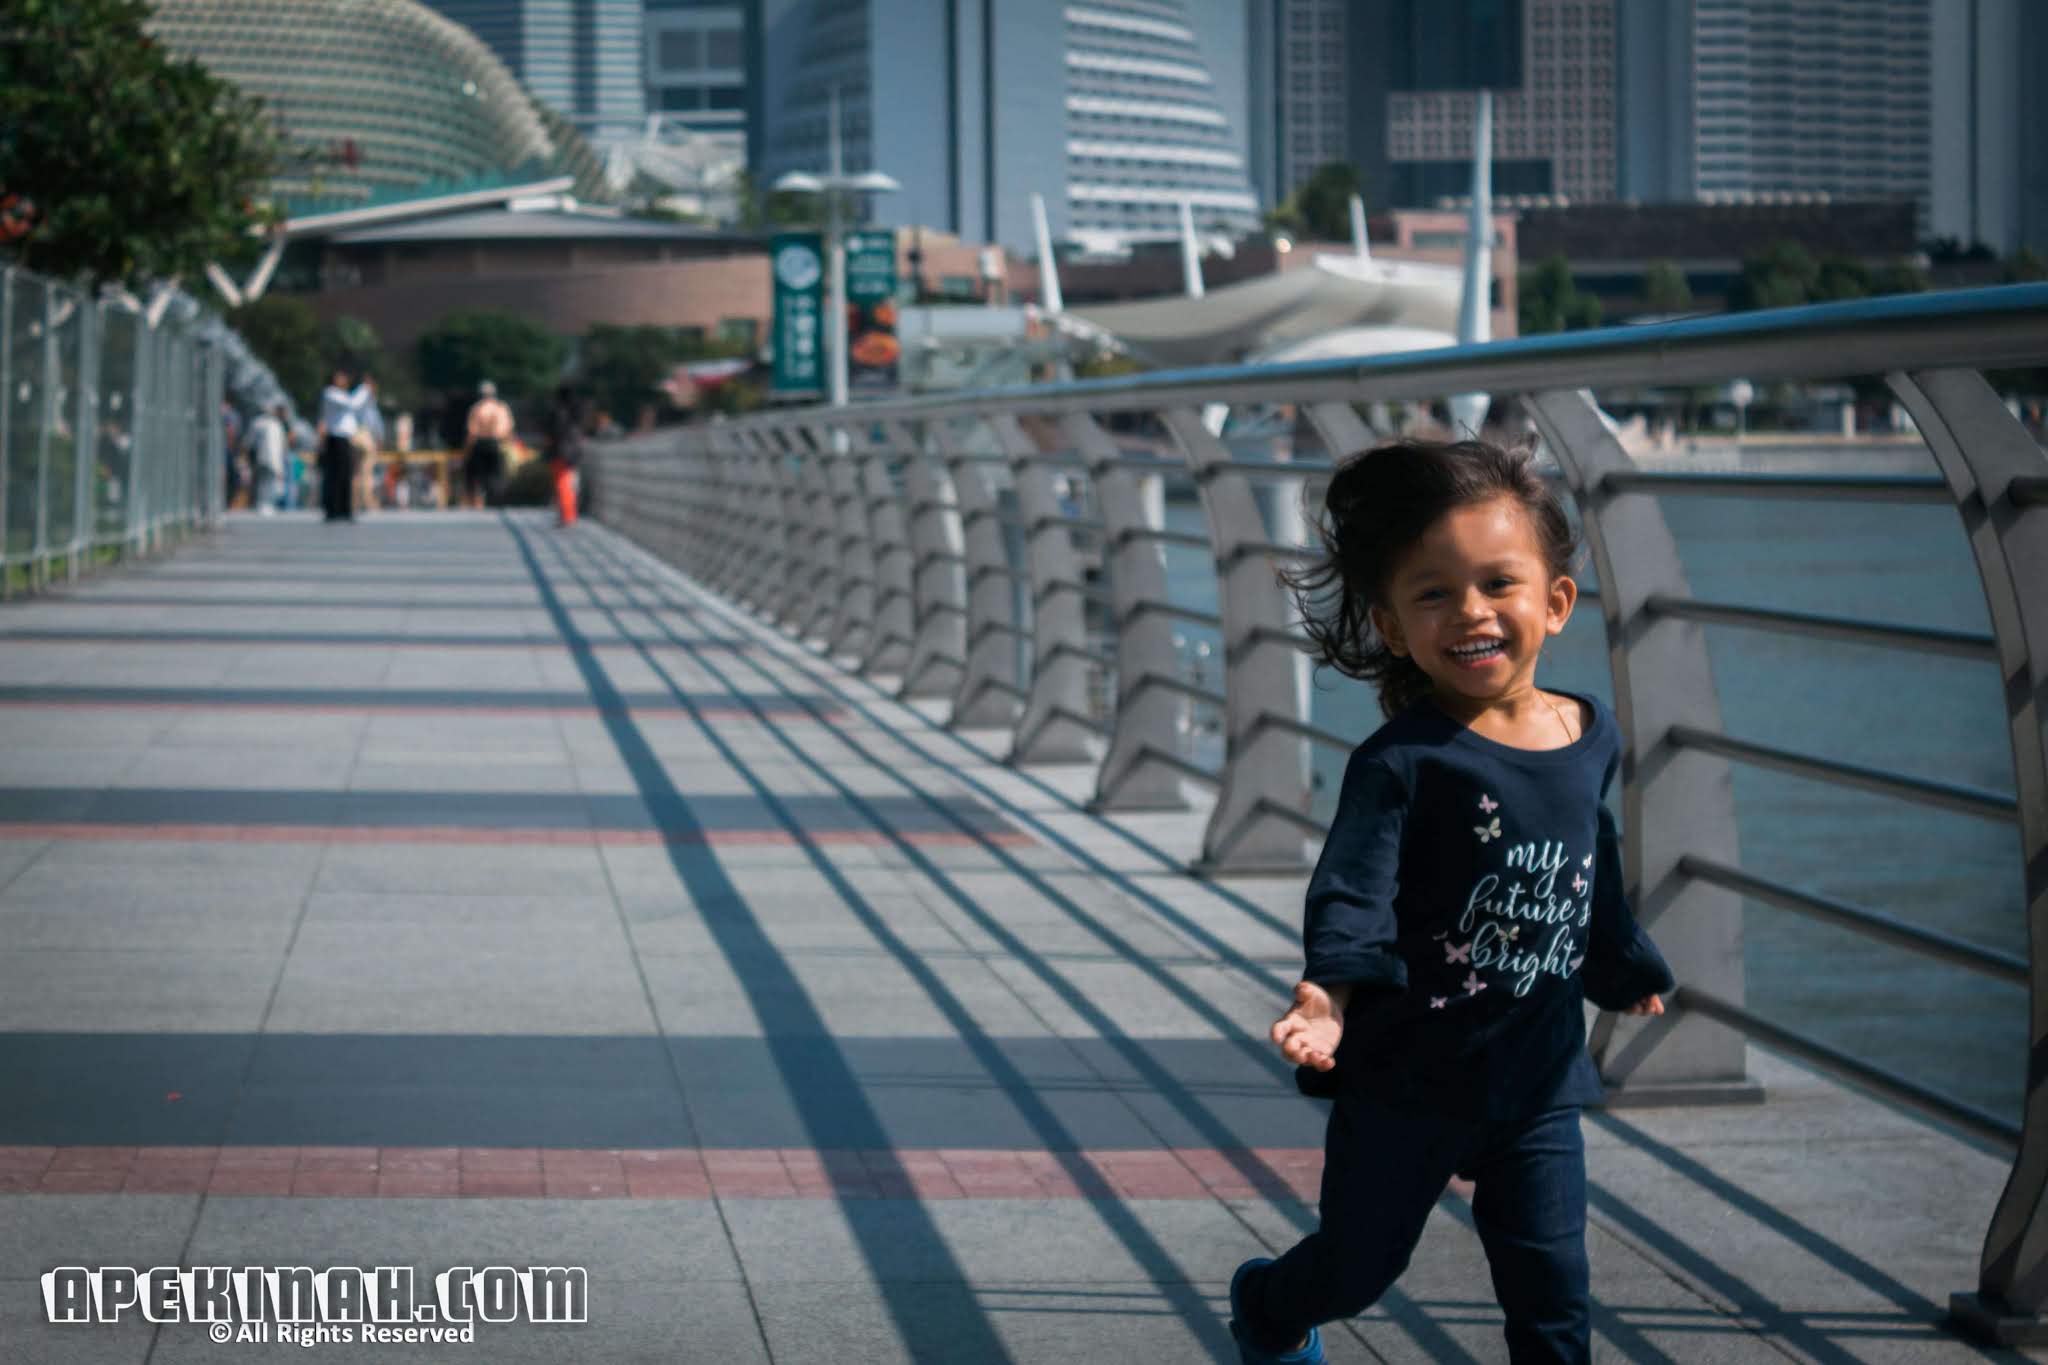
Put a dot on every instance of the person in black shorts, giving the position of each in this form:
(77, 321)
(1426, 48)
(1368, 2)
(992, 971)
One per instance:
(483, 466)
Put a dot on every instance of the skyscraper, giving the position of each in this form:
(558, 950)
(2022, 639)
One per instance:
(1299, 52)
(1552, 77)
(1392, 86)
(581, 58)
(1114, 110)
(1829, 97)
(1989, 179)
(703, 63)
(1724, 99)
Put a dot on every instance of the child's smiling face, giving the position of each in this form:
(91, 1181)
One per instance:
(1473, 601)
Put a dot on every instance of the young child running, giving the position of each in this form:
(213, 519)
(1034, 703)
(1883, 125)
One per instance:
(1467, 901)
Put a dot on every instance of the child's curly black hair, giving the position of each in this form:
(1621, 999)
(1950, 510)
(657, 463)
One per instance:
(1377, 505)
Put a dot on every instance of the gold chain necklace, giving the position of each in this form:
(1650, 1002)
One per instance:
(1570, 738)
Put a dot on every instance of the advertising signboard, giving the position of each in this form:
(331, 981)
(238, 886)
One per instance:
(798, 333)
(872, 348)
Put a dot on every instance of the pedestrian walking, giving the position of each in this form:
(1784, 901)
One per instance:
(341, 420)
(267, 457)
(1468, 900)
(483, 461)
(565, 450)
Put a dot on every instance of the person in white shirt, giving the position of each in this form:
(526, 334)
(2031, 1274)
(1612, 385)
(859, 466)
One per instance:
(341, 417)
(267, 453)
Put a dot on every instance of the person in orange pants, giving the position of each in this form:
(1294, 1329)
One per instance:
(565, 492)
(565, 450)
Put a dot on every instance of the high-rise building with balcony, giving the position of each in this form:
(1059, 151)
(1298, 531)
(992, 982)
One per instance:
(1117, 111)
(703, 64)
(1831, 98)
(1725, 100)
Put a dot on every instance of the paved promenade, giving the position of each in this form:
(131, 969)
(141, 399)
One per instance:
(446, 890)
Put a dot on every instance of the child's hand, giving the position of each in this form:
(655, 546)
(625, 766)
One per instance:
(1649, 1004)
(1308, 1033)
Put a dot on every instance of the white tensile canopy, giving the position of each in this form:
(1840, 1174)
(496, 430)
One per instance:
(1264, 317)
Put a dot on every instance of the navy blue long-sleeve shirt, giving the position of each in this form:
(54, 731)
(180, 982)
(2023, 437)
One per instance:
(1470, 892)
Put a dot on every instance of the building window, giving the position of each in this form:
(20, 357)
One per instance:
(739, 332)
(678, 49)
(722, 48)
(735, 97)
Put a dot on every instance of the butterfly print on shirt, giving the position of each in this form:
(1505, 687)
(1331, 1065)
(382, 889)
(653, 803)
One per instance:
(1488, 804)
(1473, 985)
(1457, 952)
(1488, 832)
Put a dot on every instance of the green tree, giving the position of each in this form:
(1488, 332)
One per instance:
(1665, 288)
(1841, 278)
(1548, 301)
(462, 350)
(1900, 277)
(1783, 276)
(1321, 207)
(285, 335)
(121, 162)
(2023, 267)
(623, 367)
(762, 209)
(352, 344)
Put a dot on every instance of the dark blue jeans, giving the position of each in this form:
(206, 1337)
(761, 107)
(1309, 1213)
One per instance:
(1382, 1172)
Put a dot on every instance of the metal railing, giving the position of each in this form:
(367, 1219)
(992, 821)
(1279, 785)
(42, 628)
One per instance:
(894, 532)
(110, 440)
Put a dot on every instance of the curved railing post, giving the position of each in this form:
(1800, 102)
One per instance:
(727, 545)
(988, 694)
(852, 586)
(806, 544)
(938, 570)
(666, 512)
(1676, 800)
(755, 466)
(823, 576)
(1261, 821)
(894, 627)
(1142, 770)
(1984, 454)
(1055, 727)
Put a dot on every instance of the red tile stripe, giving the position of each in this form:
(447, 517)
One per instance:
(663, 1173)
(725, 714)
(24, 638)
(88, 831)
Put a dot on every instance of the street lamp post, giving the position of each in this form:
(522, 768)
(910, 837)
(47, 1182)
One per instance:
(832, 184)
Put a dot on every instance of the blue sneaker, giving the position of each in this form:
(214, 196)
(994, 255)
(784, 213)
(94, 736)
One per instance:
(1309, 1352)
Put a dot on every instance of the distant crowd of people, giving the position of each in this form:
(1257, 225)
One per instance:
(273, 468)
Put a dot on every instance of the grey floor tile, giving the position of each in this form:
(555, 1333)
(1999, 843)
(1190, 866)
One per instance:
(888, 1323)
(66, 990)
(385, 985)
(28, 1338)
(464, 869)
(38, 1231)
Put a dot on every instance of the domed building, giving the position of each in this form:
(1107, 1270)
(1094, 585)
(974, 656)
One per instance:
(379, 99)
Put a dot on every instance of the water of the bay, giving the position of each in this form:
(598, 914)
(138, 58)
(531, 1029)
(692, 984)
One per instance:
(1929, 716)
